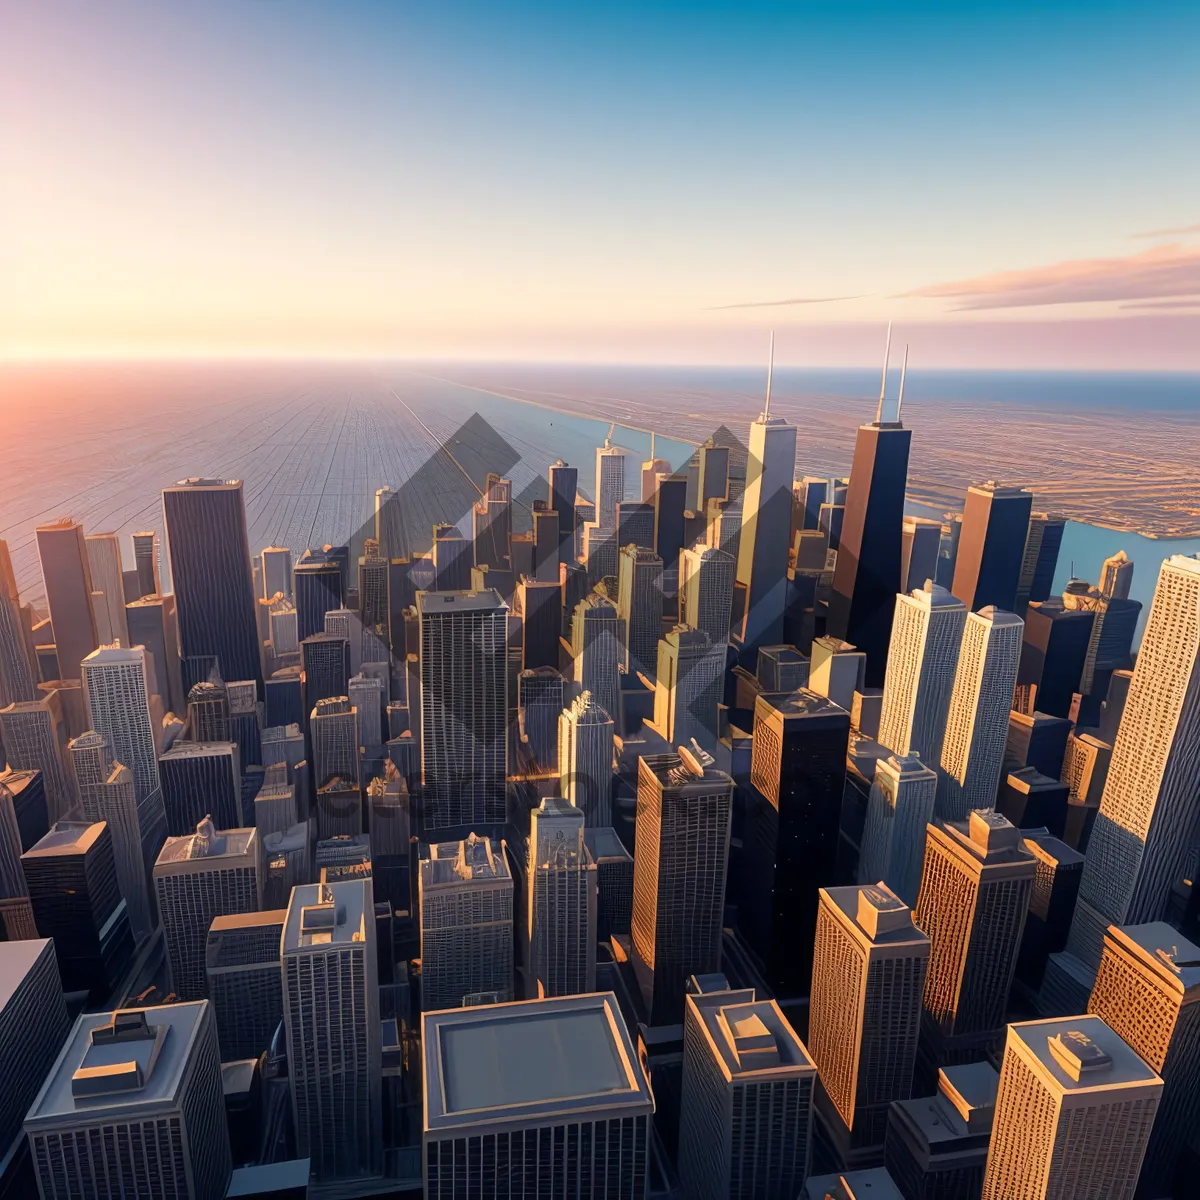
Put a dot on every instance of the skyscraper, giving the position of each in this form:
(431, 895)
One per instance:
(977, 722)
(17, 665)
(766, 530)
(706, 591)
(316, 590)
(870, 547)
(926, 636)
(118, 708)
(670, 504)
(133, 1106)
(491, 527)
(1116, 576)
(684, 810)
(104, 564)
(1138, 850)
(1148, 992)
(564, 483)
(451, 560)
(596, 642)
(33, 736)
(546, 1095)
(614, 881)
(464, 706)
(76, 901)
(991, 548)
(210, 569)
(146, 563)
(974, 896)
(243, 965)
(921, 542)
(688, 685)
(898, 810)
(151, 624)
(1038, 563)
(640, 606)
(869, 968)
(466, 905)
(331, 1014)
(561, 886)
(67, 577)
(334, 729)
(746, 1110)
(207, 874)
(585, 758)
(1073, 1114)
(325, 668)
(539, 605)
(1054, 653)
(610, 484)
(790, 838)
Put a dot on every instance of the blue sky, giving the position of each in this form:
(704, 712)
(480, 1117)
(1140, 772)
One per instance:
(598, 181)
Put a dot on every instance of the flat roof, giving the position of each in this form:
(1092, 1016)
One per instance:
(801, 703)
(268, 1177)
(1162, 950)
(325, 914)
(58, 1100)
(223, 843)
(16, 961)
(529, 1059)
(750, 1039)
(603, 842)
(1126, 1068)
(873, 1184)
(484, 600)
(66, 837)
(186, 749)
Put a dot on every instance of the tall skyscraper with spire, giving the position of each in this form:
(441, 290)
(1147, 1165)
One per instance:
(867, 576)
(766, 529)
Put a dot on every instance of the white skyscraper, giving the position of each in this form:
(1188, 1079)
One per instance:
(977, 724)
(687, 688)
(610, 484)
(331, 1015)
(34, 736)
(104, 563)
(1140, 846)
(927, 632)
(585, 759)
(118, 706)
(898, 810)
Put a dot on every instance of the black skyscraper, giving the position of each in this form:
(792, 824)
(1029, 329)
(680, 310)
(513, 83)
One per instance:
(1054, 653)
(564, 483)
(325, 666)
(991, 547)
(797, 773)
(870, 548)
(317, 588)
(214, 585)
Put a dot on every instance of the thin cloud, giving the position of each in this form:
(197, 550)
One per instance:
(1161, 272)
(782, 303)
(1158, 233)
(1166, 304)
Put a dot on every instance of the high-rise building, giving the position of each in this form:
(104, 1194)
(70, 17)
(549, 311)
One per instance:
(1038, 564)
(287, 861)
(244, 966)
(921, 542)
(67, 577)
(585, 758)
(688, 686)
(670, 524)
(597, 641)
(974, 896)
(147, 563)
(540, 698)
(210, 570)
(12, 875)
(199, 779)
(898, 810)
(1074, 1113)
(33, 736)
(782, 669)
(610, 484)
(614, 881)
(208, 712)
(466, 904)
(325, 667)
(706, 590)
(331, 1015)
(28, 801)
(926, 636)
(991, 549)
(870, 548)
(491, 527)
(133, 1106)
(790, 838)
(207, 874)
(316, 590)
(1138, 849)
(869, 968)
(451, 560)
(561, 887)
(33, 1027)
(151, 624)
(1148, 992)
(874, 1183)
(507, 1085)
(1114, 623)
(766, 531)
(276, 572)
(746, 1107)
(977, 722)
(118, 709)
(464, 706)
(1054, 653)
(684, 810)
(564, 483)
(1116, 576)
(18, 674)
(539, 605)
(640, 606)
(104, 564)
(390, 530)
(76, 901)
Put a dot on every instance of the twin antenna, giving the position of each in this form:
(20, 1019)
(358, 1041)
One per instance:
(770, 368)
(887, 354)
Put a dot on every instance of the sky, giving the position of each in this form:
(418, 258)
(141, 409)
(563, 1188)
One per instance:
(1013, 184)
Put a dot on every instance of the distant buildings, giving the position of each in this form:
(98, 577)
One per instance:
(67, 576)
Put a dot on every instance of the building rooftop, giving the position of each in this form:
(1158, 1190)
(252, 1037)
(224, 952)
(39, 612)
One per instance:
(324, 914)
(185, 749)
(876, 913)
(1159, 948)
(987, 836)
(528, 1060)
(114, 655)
(16, 960)
(66, 837)
(282, 841)
(473, 860)
(1079, 1054)
(683, 770)
(603, 843)
(208, 843)
(486, 600)
(750, 1039)
(873, 1184)
(205, 483)
(127, 1059)
(799, 704)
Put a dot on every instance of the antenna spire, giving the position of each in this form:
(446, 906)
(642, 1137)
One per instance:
(652, 445)
(903, 372)
(887, 354)
(770, 369)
